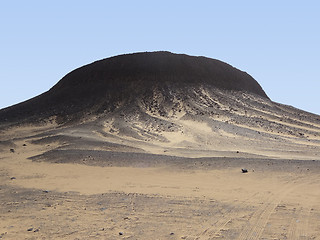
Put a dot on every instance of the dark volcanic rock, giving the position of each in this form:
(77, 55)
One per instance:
(104, 85)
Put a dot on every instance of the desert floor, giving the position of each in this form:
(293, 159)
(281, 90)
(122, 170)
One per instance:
(195, 198)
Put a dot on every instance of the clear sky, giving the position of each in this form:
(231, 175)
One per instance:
(277, 42)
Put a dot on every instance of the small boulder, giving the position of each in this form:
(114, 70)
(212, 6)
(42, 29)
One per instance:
(12, 150)
(244, 170)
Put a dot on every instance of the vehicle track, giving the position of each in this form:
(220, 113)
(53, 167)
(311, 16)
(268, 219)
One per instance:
(257, 223)
(214, 229)
(215, 226)
(299, 225)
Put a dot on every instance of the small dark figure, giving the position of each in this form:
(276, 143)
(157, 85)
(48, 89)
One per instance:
(244, 170)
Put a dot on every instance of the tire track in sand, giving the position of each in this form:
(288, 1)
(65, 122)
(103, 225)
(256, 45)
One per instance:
(298, 228)
(258, 221)
(213, 228)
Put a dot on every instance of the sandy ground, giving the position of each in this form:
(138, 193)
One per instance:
(153, 198)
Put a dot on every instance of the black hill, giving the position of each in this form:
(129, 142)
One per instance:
(102, 85)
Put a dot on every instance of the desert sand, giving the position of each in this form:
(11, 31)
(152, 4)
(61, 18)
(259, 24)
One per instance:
(155, 198)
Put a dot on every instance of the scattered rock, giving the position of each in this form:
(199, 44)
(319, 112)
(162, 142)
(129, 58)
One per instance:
(2, 234)
(120, 233)
(24, 145)
(12, 150)
(244, 170)
(13, 178)
(30, 229)
(37, 230)
(45, 191)
(171, 233)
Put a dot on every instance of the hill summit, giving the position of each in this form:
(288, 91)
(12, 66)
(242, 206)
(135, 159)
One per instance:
(122, 80)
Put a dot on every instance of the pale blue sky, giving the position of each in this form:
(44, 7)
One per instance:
(277, 42)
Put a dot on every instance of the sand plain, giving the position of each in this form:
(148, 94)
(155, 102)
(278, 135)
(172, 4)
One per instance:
(67, 183)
